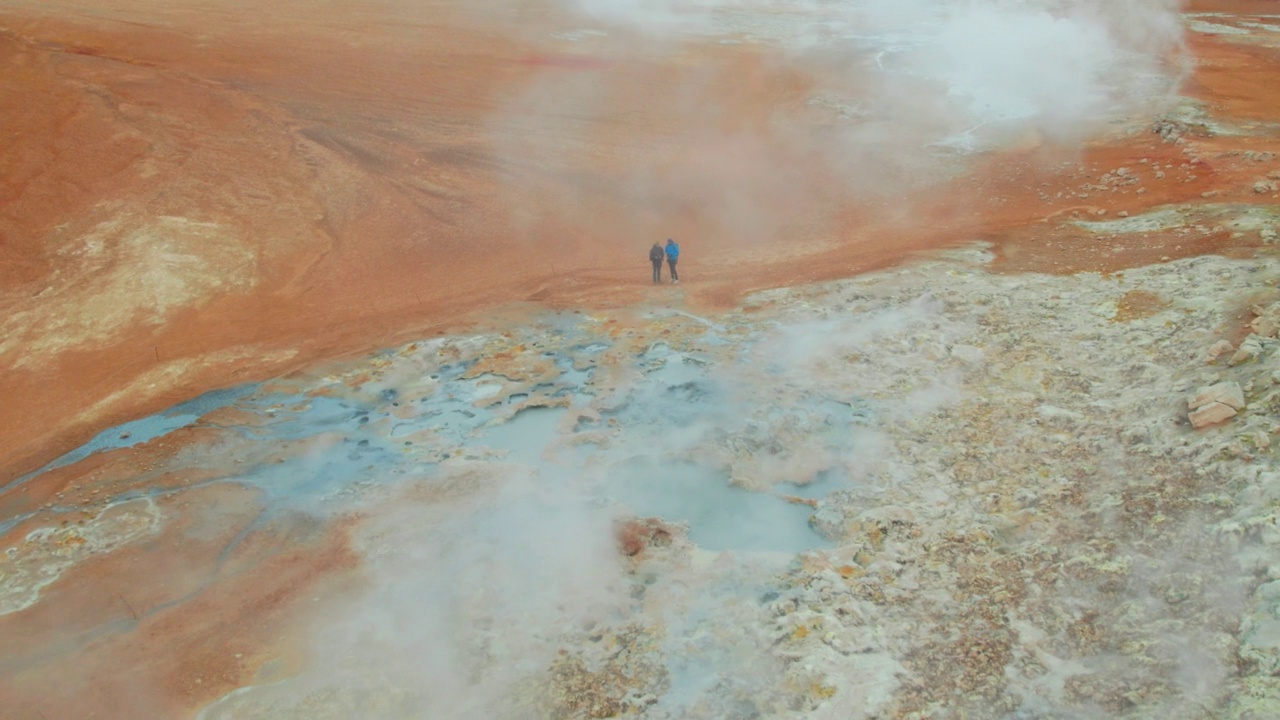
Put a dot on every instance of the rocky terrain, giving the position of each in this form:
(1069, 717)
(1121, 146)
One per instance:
(927, 490)
(336, 387)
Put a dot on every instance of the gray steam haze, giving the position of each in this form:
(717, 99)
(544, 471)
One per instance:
(756, 118)
(493, 580)
(490, 550)
(925, 485)
(929, 491)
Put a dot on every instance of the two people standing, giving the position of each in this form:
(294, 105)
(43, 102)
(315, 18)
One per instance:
(671, 254)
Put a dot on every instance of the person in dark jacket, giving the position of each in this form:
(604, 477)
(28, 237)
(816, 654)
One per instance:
(673, 254)
(655, 257)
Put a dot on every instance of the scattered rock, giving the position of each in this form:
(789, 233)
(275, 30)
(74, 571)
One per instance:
(1267, 321)
(1265, 186)
(1219, 348)
(830, 520)
(1227, 393)
(637, 534)
(1168, 129)
(1210, 414)
(1250, 349)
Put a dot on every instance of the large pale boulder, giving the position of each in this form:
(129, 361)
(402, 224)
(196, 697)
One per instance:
(1219, 348)
(1211, 414)
(1267, 321)
(1213, 404)
(1250, 349)
(1228, 393)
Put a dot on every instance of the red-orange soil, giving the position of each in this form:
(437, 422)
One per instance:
(361, 191)
(110, 641)
(327, 184)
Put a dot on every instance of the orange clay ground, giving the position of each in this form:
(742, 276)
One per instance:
(192, 199)
(336, 185)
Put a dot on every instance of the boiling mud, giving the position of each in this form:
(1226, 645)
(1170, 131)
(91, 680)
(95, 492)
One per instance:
(720, 516)
(313, 441)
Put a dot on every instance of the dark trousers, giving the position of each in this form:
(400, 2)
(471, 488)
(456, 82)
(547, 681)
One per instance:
(657, 271)
(672, 264)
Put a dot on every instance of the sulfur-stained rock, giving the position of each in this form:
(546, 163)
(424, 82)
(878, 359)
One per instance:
(1211, 414)
(1228, 393)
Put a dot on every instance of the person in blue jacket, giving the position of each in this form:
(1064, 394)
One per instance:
(673, 255)
(655, 256)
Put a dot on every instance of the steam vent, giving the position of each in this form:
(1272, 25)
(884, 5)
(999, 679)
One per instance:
(335, 382)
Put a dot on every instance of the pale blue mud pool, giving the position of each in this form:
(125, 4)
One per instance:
(720, 516)
(404, 413)
(145, 429)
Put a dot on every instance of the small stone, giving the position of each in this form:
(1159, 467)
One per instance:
(830, 520)
(1250, 349)
(1221, 347)
(1265, 326)
(1227, 393)
(635, 535)
(1211, 414)
(1262, 186)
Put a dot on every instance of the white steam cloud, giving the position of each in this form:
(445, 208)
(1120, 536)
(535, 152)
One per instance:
(747, 117)
(1054, 63)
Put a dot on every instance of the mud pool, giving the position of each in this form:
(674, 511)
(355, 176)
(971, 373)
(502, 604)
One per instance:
(632, 444)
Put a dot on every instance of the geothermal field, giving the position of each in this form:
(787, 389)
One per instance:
(334, 385)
